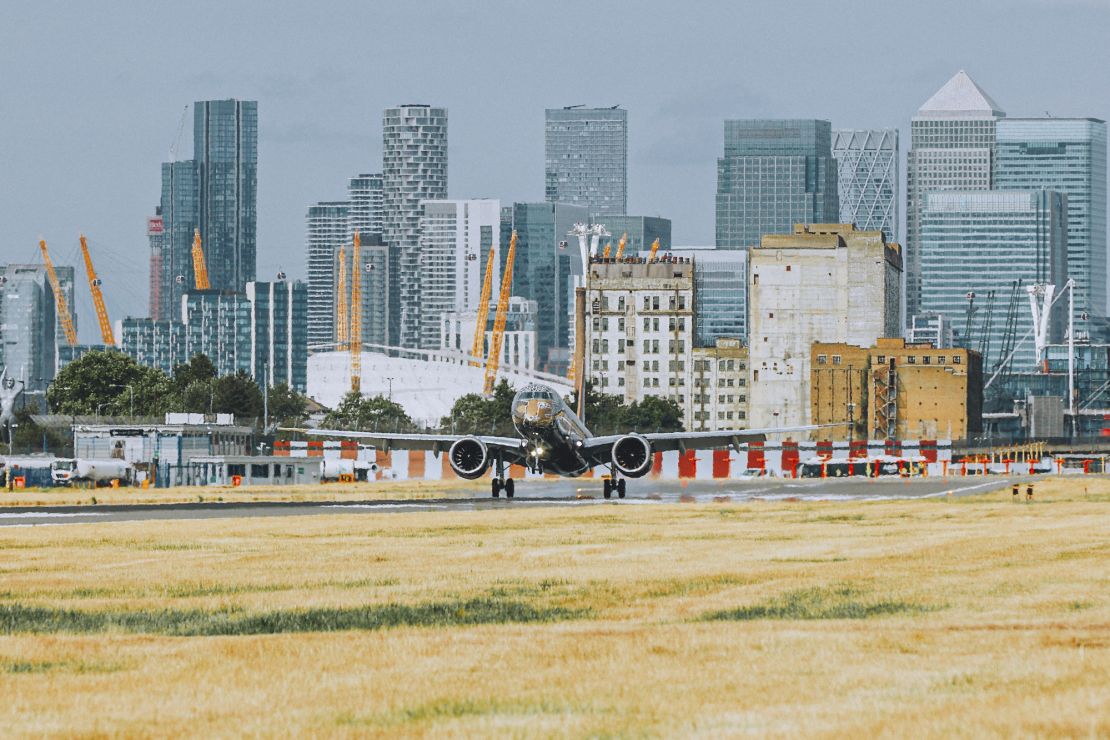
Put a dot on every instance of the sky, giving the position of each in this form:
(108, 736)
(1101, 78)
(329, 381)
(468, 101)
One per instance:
(92, 96)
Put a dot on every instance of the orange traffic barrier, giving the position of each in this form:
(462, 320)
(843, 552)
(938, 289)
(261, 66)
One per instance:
(236, 480)
(19, 481)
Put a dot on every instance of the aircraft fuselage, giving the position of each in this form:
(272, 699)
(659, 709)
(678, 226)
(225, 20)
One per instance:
(552, 432)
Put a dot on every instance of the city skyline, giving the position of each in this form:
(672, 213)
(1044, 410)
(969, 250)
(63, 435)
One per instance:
(131, 99)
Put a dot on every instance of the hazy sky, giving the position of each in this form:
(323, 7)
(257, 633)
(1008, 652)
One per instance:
(91, 96)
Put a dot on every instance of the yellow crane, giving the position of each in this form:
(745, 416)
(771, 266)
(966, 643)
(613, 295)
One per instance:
(106, 333)
(341, 325)
(654, 249)
(483, 310)
(356, 318)
(608, 248)
(59, 298)
(200, 271)
(494, 359)
(620, 246)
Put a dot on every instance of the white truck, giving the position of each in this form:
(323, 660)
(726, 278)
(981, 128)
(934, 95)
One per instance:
(358, 469)
(68, 471)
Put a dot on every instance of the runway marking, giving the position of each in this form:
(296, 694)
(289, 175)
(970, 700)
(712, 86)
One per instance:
(993, 483)
(45, 514)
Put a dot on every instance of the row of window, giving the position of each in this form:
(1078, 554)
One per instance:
(911, 359)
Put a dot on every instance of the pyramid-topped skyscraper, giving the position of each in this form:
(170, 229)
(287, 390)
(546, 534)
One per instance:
(952, 147)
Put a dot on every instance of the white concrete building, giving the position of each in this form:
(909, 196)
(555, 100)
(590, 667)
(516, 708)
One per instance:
(518, 348)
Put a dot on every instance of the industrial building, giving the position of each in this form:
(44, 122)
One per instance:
(586, 158)
(895, 390)
(822, 283)
(246, 470)
(719, 386)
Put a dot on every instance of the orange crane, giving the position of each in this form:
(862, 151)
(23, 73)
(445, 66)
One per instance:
(483, 309)
(608, 249)
(356, 318)
(494, 359)
(620, 246)
(59, 298)
(200, 271)
(341, 325)
(654, 249)
(106, 333)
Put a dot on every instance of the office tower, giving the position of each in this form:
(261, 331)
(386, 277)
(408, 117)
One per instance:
(364, 193)
(153, 343)
(374, 256)
(156, 235)
(1067, 155)
(544, 270)
(225, 147)
(586, 158)
(822, 283)
(867, 174)
(414, 169)
(455, 239)
(327, 225)
(774, 174)
(641, 230)
(988, 241)
(31, 331)
(218, 325)
(720, 293)
(278, 333)
(180, 219)
(952, 140)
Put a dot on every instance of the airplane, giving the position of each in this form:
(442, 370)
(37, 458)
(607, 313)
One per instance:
(552, 439)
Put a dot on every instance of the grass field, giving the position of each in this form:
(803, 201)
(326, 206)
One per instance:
(976, 616)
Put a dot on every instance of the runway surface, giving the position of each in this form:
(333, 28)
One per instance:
(556, 493)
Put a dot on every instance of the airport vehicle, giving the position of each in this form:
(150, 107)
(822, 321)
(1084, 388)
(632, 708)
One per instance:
(552, 439)
(91, 471)
(335, 467)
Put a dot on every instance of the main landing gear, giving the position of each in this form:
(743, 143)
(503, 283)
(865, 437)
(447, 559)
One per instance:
(610, 485)
(497, 485)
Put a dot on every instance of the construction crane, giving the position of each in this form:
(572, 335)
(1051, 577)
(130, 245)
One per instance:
(200, 271)
(106, 334)
(356, 317)
(985, 336)
(654, 249)
(483, 310)
(608, 249)
(494, 359)
(621, 245)
(341, 325)
(1009, 335)
(59, 297)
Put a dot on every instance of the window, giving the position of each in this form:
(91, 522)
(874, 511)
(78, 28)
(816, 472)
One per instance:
(620, 325)
(647, 303)
(755, 278)
(620, 303)
(941, 359)
(912, 359)
(239, 469)
(882, 359)
(927, 360)
(605, 324)
(647, 322)
(956, 359)
(260, 471)
(836, 359)
(655, 303)
(770, 314)
(655, 324)
(788, 268)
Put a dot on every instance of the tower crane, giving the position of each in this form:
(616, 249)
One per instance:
(483, 310)
(494, 359)
(608, 250)
(106, 333)
(356, 317)
(200, 271)
(654, 249)
(59, 298)
(341, 325)
(621, 245)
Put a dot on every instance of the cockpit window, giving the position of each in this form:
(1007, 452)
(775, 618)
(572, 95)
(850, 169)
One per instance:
(528, 394)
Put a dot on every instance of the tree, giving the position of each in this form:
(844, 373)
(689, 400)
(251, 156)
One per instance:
(237, 394)
(287, 407)
(476, 414)
(377, 414)
(654, 414)
(109, 382)
(199, 369)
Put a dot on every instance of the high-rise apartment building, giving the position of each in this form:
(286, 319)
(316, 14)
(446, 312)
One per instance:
(414, 169)
(1067, 155)
(375, 277)
(455, 240)
(720, 293)
(327, 226)
(225, 148)
(364, 193)
(153, 343)
(586, 158)
(180, 218)
(952, 147)
(867, 172)
(986, 242)
(774, 174)
(218, 326)
(278, 333)
(641, 231)
(544, 270)
(30, 331)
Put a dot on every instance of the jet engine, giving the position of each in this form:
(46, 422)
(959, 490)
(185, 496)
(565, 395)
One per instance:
(469, 458)
(632, 455)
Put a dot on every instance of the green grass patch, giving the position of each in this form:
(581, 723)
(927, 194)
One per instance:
(18, 618)
(842, 602)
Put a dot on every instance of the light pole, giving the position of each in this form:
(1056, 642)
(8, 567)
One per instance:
(390, 381)
(131, 390)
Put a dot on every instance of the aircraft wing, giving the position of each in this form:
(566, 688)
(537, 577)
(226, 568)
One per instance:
(599, 447)
(510, 447)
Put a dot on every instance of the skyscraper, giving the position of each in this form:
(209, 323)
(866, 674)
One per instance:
(987, 241)
(156, 234)
(327, 226)
(1067, 155)
(455, 239)
(774, 174)
(179, 219)
(720, 293)
(365, 195)
(867, 173)
(278, 334)
(641, 231)
(414, 169)
(30, 330)
(586, 158)
(952, 140)
(225, 147)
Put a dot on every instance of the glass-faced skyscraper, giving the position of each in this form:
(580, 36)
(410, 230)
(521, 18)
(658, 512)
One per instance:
(180, 217)
(867, 171)
(586, 158)
(774, 174)
(1067, 155)
(225, 147)
(414, 169)
(327, 227)
(952, 140)
(365, 195)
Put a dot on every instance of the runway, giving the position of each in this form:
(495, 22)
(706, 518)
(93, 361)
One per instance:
(581, 492)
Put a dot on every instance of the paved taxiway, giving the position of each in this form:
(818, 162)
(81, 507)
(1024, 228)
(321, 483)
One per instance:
(547, 493)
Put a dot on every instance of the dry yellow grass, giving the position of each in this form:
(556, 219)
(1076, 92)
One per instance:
(987, 617)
